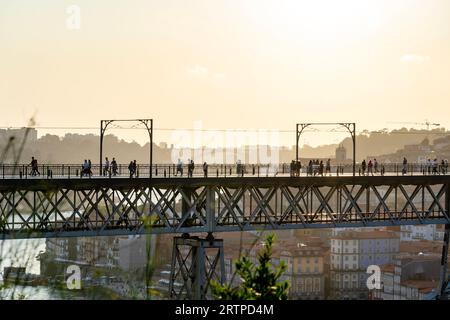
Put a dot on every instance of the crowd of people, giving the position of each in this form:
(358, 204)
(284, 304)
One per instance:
(313, 168)
(190, 167)
(86, 168)
(372, 167)
(240, 168)
(433, 167)
(110, 168)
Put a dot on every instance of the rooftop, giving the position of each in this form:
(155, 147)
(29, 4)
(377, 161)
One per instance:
(424, 286)
(363, 235)
(388, 268)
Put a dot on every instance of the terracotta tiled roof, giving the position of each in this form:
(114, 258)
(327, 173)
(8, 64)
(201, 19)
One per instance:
(388, 268)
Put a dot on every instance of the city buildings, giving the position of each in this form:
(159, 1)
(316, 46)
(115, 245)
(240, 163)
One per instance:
(421, 232)
(352, 253)
(409, 277)
(341, 154)
(110, 255)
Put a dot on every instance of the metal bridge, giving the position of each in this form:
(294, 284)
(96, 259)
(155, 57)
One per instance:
(99, 206)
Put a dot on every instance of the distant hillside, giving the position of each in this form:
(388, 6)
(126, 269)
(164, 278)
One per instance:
(376, 143)
(74, 148)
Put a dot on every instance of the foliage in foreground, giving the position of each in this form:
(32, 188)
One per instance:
(259, 282)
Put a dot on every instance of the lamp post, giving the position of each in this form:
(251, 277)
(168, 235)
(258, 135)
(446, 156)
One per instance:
(148, 123)
(350, 126)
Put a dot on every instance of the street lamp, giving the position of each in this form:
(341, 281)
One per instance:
(148, 123)
(350, 126)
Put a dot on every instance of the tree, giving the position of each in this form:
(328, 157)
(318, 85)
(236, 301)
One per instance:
(259, 282)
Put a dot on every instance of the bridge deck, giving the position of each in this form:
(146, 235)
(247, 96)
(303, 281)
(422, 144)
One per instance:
(103, 182)
(105, 206)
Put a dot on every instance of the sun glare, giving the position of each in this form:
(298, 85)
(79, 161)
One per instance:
(319, 19)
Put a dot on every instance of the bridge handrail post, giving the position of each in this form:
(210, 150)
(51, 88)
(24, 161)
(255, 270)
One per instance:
(68, 172)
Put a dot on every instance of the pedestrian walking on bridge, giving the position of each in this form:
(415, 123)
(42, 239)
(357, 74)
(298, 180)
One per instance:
(328, 167)
(179, 168)
(405, 166)
(205, 169)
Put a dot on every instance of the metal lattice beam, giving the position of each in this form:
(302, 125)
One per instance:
(99, 207)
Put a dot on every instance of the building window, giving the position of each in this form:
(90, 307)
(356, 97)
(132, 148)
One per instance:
(316, 285)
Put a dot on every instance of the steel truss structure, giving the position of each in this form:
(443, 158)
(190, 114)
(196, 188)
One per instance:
(99, 207)
(96, 207)
(195, 262)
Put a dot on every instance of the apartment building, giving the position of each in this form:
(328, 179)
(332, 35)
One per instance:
(409, 277)
(352, 253)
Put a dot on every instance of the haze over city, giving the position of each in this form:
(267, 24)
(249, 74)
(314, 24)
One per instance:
(229, 64)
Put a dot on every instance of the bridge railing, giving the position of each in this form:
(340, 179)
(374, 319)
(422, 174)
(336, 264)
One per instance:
(24, 171)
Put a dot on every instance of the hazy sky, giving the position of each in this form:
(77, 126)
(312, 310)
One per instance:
(230, 64)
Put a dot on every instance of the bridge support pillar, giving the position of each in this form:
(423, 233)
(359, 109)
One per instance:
(444, 261)
(195, 262)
